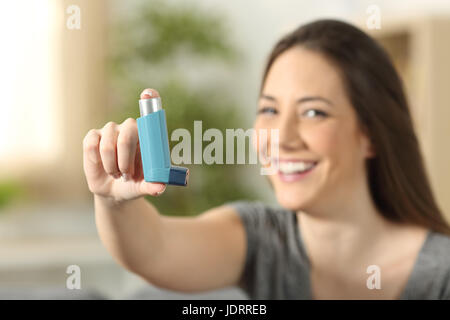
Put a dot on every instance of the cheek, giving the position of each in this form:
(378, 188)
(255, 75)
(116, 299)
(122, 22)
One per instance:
(335, 142)
(324, 139)
(261, 137)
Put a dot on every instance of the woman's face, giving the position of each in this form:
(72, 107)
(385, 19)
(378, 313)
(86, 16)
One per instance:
(322, 150)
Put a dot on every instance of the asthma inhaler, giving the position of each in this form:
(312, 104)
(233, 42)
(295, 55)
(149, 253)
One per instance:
(154, 143)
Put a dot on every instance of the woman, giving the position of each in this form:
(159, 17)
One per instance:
(357, 218)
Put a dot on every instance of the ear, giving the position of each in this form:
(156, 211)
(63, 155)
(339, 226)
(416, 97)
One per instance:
(370, 150)
(367, 146)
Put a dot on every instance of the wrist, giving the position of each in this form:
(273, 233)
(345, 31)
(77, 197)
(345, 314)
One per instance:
(109, 202)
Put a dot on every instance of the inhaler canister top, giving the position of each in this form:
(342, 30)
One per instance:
(150, 102)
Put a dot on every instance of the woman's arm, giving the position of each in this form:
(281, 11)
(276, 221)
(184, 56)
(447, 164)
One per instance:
(178, 253)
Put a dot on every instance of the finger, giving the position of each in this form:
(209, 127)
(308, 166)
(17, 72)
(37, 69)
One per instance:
(108, 149)
(92, 162)
(126, 147)
(138, 169)
(151, 188)
(149, 93)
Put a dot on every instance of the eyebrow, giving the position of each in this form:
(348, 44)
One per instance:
(301, 100)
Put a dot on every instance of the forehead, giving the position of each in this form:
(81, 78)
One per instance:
(300, 71)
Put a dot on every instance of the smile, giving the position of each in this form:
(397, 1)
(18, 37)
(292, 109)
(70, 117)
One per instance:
(291, 171)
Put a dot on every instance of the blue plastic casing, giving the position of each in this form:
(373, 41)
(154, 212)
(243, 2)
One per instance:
(155, 152)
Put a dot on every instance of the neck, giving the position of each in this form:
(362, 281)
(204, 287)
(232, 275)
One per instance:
(345, 230)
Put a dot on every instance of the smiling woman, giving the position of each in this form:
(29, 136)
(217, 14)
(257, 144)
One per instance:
(350, 170)
(368, 118)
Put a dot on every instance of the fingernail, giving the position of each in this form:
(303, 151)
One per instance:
(126, 176)
(161, 192)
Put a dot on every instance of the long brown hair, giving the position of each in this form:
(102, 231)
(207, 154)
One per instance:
(397, 177)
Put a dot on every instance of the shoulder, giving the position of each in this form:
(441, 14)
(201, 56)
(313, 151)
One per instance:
(271, 231)
(435, 263)
(271, 246)
(439, 243)
(261, 216)
(437, 249)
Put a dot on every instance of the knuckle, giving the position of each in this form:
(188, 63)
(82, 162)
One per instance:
(90, 139)
(109, 125)
(129, 127)
(91, 132)
(130, 121)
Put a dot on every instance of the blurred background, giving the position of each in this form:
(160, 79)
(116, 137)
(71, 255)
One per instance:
(69, 66)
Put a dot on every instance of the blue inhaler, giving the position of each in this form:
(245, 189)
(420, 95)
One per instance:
(154, 143)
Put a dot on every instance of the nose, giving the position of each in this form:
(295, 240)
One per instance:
(289, 137)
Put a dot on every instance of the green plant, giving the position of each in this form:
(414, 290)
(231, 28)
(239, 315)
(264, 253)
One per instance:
(147, 46)
(9, 190)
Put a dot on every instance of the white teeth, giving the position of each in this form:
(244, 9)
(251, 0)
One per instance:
(298, 166)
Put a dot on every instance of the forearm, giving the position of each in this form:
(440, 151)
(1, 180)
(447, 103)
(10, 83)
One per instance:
(131, 231)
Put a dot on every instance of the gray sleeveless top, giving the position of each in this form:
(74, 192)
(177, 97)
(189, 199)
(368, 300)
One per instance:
(277, 266)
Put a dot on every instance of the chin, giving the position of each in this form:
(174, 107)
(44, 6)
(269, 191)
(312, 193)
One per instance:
(293, 202)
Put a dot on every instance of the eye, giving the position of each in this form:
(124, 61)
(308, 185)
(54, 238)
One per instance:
(311, 113)
(268, 110)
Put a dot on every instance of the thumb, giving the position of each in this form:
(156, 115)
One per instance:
(152, 188)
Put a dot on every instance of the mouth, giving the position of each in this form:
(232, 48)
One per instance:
(295, 170)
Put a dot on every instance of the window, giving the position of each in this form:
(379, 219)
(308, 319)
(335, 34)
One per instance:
(28, 60)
